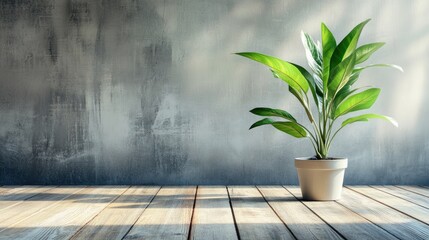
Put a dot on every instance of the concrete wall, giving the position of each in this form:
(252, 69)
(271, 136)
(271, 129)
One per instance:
(148, 92)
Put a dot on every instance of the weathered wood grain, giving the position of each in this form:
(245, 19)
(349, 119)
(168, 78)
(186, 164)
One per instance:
(396, 223)
(212, 217)
(254, 217)
(349, 224)
(4, 190)
(416, 189)
(211, 212)
(117, 218)
(404, 194)
(168, 215)
(301, 221)
(7, 188)
(399, 204)
(63, 219)
(37, 203)
(13, 196)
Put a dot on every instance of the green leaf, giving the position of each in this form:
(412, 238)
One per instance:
(366, 117)
(298, 94)
(341, 95)
(365, 51)
(264, 121)
(301, 100)
(340, 74)
(315, 86)
(348, 45)
(275, 74)
(285, 70)
(356, 72)
(291, 128)
(359, 101)
(313, 54)
(354, 77)
(380, 65)
(269, 112)
(315, 61)
(328, 45)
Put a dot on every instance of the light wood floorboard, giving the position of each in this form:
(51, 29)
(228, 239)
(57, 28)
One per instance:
(168, 215)
(349, 224)
(301, 221)
(211, 212)
(118, 218)
(405, 194)
(416, 189)
(396, 223)
(65, 218)
(42, 201)
(212, 217)
(13, 196)
(409, 208)
(254, 217)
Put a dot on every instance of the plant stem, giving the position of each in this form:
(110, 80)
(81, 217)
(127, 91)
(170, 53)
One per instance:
(333, 136)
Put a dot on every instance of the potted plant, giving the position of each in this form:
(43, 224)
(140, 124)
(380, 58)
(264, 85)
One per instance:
(335, 68)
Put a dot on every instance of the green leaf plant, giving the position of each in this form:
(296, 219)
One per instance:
(334, 71)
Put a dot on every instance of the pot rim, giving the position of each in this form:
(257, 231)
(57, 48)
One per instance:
(321, 160)
(333, 164)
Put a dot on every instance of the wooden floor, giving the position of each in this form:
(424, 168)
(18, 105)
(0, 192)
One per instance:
(211, 212)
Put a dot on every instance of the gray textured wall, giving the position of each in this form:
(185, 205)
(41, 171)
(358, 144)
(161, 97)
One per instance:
(148, 92)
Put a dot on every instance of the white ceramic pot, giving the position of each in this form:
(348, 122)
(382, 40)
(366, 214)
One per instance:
(321, 179)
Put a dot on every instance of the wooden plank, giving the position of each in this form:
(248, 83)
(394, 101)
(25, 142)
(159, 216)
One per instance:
(404, 194)
(168, 215)
(396, 223)
(416, 189)
(13, 196)
(10, 189)
(399, 204)
(117, 219)
(39, 202)
(349, 224)
(212, 217)
(7, 188)
(303, 223)
(254, 217)
(65, 218)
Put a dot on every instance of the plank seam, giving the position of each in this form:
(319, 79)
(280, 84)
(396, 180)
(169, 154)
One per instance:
(150, 202)
(409, 190)
(399, 197)
(335, 230)
(380, 226)
(4, 189)
(42, 209)
(233, 214)
(388, 205)
(47, 188)
(107, 205)
(192, 215)
(293, 235)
